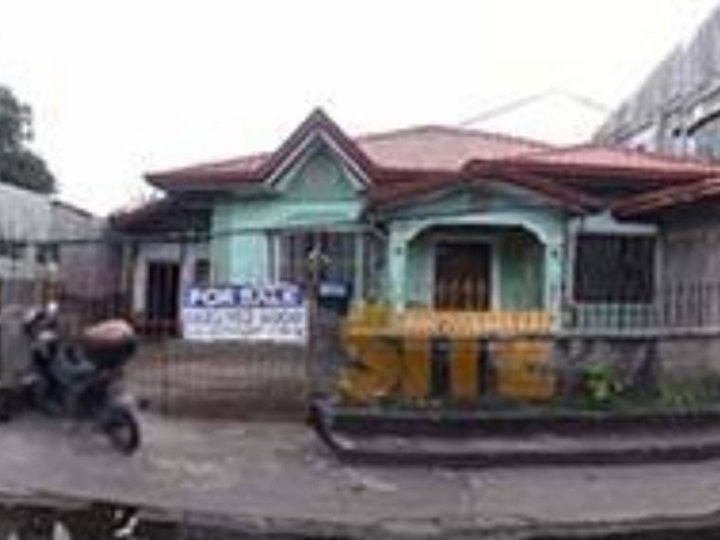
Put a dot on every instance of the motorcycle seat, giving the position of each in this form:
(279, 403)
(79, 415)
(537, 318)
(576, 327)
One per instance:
(112, 332)
(112, 340)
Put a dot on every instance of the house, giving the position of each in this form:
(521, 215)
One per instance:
(424, 219)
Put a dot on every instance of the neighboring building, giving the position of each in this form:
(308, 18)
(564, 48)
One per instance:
(25, 223)
(429, 217)
(84, 260)
(46, 244)
(677, 108)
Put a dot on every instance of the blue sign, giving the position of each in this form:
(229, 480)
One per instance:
(269, 312)
(275, 295)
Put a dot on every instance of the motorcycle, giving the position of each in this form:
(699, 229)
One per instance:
(82, 380)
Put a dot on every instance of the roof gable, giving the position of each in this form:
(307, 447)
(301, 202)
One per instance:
(320, 173)
(318, 127)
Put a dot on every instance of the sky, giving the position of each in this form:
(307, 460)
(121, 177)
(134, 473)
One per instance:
(119, 89)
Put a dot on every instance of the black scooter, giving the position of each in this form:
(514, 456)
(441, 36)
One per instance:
(82, 380)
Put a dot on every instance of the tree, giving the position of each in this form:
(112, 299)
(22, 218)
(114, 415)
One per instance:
(19, 165)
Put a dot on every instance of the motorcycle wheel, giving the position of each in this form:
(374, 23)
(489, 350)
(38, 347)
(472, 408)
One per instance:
(121, 427)
(39, 397)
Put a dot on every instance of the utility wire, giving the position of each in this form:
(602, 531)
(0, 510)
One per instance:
(514, 105)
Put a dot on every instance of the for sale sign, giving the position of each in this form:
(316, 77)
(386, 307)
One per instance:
(271, 312)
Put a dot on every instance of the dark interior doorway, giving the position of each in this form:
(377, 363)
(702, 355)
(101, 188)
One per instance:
(162, 297)
(462, 276)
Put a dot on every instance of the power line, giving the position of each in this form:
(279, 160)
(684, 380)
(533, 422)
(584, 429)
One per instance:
(503, 109)
(514, 105)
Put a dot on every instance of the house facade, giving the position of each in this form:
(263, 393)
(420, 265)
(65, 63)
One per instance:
(426, 219)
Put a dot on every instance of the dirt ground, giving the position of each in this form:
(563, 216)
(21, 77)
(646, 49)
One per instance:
(210, 382)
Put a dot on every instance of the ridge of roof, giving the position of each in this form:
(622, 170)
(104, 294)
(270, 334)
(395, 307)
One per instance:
(672, 158)
(451, 130)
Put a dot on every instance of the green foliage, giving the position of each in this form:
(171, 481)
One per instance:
(19, 166)
(601, 384)
(690, 393)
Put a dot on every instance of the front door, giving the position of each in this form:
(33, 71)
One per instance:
(462, 276)
(161, 297)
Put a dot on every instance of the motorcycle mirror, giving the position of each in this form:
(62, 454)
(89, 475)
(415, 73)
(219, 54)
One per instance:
(52, 308)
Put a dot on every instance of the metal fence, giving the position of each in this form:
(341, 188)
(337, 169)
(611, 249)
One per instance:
(94, 280)
(679, 306)
(143, 282)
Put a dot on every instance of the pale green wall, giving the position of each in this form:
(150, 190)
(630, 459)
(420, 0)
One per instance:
(418, 285)
(220, 244)
(530, 270)
(519, 266)
(317, 190)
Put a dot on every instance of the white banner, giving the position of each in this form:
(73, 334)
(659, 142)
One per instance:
(273, 312)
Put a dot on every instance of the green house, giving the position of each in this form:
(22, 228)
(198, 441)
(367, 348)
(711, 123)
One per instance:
(429, 218)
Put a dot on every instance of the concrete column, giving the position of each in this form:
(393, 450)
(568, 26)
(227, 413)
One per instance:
(397, 267)
(553, 281)
(360, 266)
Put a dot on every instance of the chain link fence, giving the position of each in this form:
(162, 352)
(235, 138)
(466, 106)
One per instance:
(484, 352)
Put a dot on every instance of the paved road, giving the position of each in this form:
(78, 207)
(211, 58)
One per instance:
(279, 471)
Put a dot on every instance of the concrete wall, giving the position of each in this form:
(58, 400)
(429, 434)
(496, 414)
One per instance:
(690, 247)
(25, 216)
(89, 264)
(666, 365)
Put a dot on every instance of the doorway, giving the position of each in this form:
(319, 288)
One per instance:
(463, 276)
(161, 297)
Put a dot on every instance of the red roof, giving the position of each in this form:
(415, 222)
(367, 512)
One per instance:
(422, 148)
(441, 148)
(591, 159)
(403, 163)
(664, 199)
(242, 166)
(477, 174)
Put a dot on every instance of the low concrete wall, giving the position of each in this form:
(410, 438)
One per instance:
(642, 364)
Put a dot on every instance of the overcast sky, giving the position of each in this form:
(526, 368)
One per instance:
(121, 88)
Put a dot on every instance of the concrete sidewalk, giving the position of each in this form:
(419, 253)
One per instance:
(279, 472)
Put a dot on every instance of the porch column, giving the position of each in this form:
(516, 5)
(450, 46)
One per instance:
(400, 233)
(397, 270)
(553, 281)
(360, 266)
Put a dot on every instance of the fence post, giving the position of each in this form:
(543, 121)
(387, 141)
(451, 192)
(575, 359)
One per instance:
(314, 267)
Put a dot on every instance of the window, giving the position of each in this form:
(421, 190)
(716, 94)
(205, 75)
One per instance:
(614, 269)
(201, 272)
(333, 252)
(12, 249)
(706, 139)
(48, 253)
